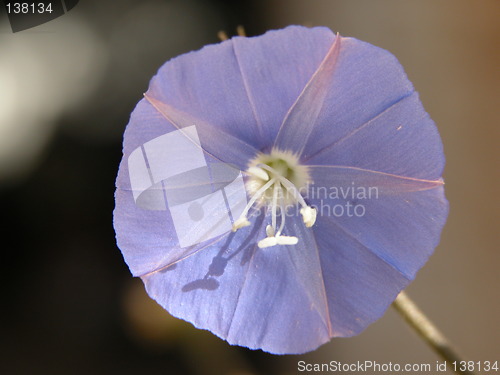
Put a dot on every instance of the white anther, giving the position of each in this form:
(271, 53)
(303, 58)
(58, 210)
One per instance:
(308, 215)
(259, 173)
(287, 240)
(277, 240)
(267, 242)
(240, 223)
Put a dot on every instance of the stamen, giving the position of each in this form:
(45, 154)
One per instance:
(240, 223)
(243, 217)
(274, 204)
(275, 238)
(281, 171)
(288, 185)
(308, 215)
(283, 216)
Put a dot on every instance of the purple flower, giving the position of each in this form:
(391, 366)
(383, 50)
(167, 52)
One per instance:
(280, 190)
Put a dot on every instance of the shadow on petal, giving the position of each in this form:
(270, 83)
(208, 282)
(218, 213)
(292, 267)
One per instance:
(169, 268)
(208, 283)
(219, 262)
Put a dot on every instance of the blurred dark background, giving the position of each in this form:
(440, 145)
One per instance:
(69, 303)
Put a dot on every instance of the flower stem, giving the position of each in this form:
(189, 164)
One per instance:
(428, 331)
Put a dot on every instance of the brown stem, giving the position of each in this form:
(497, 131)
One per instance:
(428, 331)
(222, 35)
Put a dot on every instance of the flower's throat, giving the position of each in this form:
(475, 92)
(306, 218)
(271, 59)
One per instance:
(275, 180)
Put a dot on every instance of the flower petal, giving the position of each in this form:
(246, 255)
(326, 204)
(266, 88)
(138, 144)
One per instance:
(275, 69)
(402, 140)
(359, 285)
(164, 168)
(243, 86)
(214, 141)
(330, 179)
(366, 81)
(204, 288)
(368, 255)
(350, 112)
(402, 228)
(208, 86)
(301, 117)
(291, 314)
(273, 299)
